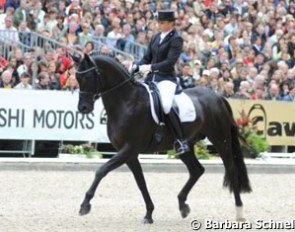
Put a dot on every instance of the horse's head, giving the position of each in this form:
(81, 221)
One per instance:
(97, 76)
(89, 83)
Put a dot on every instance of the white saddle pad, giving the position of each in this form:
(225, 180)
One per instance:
(187, 111)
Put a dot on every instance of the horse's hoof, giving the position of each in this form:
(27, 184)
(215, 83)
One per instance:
(85, 209)
(185, 210)
(147, 221)
(240, 219)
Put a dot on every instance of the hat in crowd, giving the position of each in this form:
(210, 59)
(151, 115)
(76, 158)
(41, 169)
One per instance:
(197, 62)
(166, 15)
(206, 72)
(260, 14)
(212, 70)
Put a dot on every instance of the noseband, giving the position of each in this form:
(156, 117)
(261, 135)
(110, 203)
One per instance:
(99, 92)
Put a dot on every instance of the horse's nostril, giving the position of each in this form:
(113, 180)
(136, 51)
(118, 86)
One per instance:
(82, 109)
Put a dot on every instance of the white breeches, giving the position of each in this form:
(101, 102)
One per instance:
(167, 91)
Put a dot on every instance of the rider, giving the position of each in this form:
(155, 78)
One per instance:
(163, 52)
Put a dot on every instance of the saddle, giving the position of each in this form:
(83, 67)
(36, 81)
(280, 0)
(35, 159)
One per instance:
(182, 107)
(157, 103)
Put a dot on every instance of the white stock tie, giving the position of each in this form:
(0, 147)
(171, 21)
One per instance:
(162, 36)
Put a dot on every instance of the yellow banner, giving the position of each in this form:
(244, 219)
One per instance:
(273, 119)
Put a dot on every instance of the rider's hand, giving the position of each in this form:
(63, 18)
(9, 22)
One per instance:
(146, 68)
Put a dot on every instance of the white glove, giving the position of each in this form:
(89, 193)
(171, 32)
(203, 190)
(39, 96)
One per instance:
(146, 68)
(133, 67)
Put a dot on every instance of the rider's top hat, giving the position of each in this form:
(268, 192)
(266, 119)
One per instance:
(166, 15)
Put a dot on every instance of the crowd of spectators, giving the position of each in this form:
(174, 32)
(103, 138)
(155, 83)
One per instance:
(241, 49)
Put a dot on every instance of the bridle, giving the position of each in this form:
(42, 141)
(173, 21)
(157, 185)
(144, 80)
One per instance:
(99, 92)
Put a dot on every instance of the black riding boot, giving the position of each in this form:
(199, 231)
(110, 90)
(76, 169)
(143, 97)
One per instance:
(180, 144)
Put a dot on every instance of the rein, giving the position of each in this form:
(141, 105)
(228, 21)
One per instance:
(101, 93)
(113, 88)
(86, 71)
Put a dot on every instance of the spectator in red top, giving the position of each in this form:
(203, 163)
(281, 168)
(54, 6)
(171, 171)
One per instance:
(207, 3)
(71, 71)
(3, 63)
(2, 2)
(249, 57)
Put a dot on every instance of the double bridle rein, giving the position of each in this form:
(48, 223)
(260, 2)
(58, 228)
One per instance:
(99, 92)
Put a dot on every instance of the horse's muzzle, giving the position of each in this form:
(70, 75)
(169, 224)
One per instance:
(85, 108)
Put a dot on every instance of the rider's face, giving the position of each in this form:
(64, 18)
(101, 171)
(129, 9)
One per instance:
(165, 25)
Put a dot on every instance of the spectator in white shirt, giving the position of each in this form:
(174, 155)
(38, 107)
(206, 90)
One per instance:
(24, 81)
(39, 15)
(9, 11)
(9, 32)
(115, 33)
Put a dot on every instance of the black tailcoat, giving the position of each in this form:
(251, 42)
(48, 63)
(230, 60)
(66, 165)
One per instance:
(163, 57)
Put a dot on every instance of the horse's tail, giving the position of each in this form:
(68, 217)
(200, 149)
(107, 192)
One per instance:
(238, 159)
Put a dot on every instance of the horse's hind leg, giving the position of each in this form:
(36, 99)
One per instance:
(136, 169)
(195, 171)
(122, 157)
(224, 148)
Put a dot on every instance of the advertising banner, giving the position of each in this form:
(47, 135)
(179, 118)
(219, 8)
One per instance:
(53, 115)
(49, 115)
(273, 119)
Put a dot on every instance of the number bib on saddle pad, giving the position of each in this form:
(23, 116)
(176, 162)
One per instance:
(184, 106)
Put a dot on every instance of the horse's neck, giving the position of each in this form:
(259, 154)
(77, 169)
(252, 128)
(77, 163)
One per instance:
(119, 98)
(119, 88)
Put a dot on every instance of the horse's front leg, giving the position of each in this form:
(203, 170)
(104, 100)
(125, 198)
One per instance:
(195, 171)
(136, 169)
(116, 161)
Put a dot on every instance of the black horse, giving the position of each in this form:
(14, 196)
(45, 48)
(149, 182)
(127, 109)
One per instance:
(131, 130)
